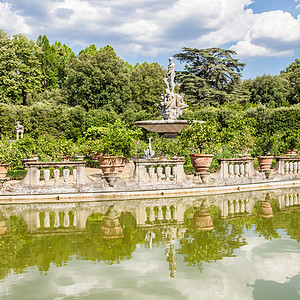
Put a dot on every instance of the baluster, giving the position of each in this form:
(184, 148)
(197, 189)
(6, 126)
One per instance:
(152, 215)
(159, 172)
(295, 166)
(242, 206)
(38, 175)
(286, 167)
(56, 175)
(159, 214)
(38, 220)
(46, 175)
(236, 170)
(296, 200)
(247, 169)
(174, 172)
(47, 220)
(56, 219)
(298, 166)
(231, 207)
(168, 172)
(66, 175)
(174, 212)
(66, 219)
(75, 175)
(247, 205)
(236, 207)
(291, 167)
(168, 213)
(242, 169)
(287, 201)
(151, 173)
(75, 219)
(231, 169)
(291, 200)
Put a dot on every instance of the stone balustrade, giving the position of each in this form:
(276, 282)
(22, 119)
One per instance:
(158, 214)
(236, 167)
(288, 165)
(159, 170)
(34, 178)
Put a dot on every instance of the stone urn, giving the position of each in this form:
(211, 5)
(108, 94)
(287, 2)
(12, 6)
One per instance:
(112, 167)
(3, 170)
(201, 162)
(265, 210)
(202, 219)
(110, 227)
(265, 162)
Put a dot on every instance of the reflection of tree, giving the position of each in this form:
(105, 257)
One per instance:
(200, 246)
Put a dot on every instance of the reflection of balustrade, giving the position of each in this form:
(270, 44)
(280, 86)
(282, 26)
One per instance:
(236, 167)
(33, 176)
(238, 206)
(288, 165)
(159, 170)
(159, 214)
(56, 219)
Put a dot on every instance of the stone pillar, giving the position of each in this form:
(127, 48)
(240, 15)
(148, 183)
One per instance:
(81, 177)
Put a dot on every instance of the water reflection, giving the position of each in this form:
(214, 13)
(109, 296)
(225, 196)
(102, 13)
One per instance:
(194, 230)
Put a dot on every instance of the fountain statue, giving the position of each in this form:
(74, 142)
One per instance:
(171, 105)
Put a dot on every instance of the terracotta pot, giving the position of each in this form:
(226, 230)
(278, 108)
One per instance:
(201, 162)
(265, 162)
(202, 220)
(111, 164)
(265, 210)
(3, 170)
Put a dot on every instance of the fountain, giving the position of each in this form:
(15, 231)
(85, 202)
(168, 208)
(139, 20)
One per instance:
(171, 106)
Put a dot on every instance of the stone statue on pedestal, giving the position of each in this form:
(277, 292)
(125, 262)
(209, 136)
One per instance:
(171, 104)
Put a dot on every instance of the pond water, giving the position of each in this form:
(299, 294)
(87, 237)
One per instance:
(237, 246)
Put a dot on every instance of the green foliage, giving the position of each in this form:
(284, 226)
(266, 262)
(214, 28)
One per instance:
(211, 74)
(116, 139)
(200, 137)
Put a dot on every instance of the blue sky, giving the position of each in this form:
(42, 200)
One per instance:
(264, 33)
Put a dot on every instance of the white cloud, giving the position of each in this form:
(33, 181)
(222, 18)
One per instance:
(11, 21)
(274, 33)
(151, 27)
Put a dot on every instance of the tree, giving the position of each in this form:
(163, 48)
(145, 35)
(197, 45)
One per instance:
(147, 85)
(292, 74)
(98, 80)
(210, 73)
(270, 90)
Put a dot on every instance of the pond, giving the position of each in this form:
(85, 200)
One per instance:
(230, 246)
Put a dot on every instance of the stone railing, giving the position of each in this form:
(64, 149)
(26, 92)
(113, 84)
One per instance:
(288, 165)
(235, 167)
(33, 176)
(159, 170)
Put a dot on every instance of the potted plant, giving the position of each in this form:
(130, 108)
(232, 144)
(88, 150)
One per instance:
(265, 147)
(201, 138)
(291, 139)
(116, 142)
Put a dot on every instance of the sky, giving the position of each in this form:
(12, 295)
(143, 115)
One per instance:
(264, 33)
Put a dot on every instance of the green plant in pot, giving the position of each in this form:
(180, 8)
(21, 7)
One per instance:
(116, 142)
(291, 139)
(265, 147)
(201, 139)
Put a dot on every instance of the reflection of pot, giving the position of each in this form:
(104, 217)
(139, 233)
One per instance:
(265, 162)
(265, 210)
(202, 219)
(111, 227)
(201, 162)
(3, 227)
